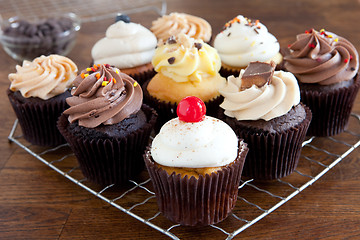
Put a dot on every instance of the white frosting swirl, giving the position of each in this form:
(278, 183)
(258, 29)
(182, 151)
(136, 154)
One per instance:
(125, 45)
(209, 143)
(268, 102)
(243, 42)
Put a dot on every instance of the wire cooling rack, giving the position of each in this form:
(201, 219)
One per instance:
(88, 11)
(256, 200)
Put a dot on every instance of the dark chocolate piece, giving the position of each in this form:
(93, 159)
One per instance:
(258, 73)
(171, 40)
(171, 60)
(198, 45)
(122, 17)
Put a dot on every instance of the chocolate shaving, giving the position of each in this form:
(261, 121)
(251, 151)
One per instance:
(198, 45)
(171, 40)
(171, 60)
(256, 31)
(352, 69)
(257, 73)
(229, 34)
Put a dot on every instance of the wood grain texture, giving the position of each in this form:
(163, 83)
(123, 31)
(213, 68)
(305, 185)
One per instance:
(38, 203)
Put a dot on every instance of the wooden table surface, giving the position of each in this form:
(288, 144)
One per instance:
(38, 203)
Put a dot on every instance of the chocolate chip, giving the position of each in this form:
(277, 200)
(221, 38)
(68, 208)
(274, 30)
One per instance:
(171, 40)
(122, 17)
(171, 60)
(198, 45)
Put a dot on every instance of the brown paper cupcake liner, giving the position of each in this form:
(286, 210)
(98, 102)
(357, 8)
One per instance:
(113, 160)
(272, 155)
(167, 110)
(38, 118)
(197, 202)
(331, 109)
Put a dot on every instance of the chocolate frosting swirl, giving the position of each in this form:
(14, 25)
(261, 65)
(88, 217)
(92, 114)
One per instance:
(103, 95)
(322, 57)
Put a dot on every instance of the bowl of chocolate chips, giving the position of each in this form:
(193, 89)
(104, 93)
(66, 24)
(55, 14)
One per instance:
(26, 39)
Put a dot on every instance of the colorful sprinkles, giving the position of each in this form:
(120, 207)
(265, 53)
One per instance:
(249, 23)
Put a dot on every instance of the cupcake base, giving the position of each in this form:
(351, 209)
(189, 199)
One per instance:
(37, 117)
(197, 201)
(111, 160)
(272, 155)
(331, 106)
(167, 110)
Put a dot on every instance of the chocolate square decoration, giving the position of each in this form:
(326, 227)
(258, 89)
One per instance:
(258, 73)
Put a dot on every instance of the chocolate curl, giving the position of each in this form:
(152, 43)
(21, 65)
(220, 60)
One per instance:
(258, 73)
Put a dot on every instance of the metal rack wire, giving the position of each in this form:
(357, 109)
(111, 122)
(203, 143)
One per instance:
(138, 200)
(88, 11)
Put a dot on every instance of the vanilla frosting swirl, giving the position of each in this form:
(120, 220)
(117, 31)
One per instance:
(103, 95)
(244, 41)
(125, 45)
(322, 57)
(44, 77)
(193, 59)
(175, 23)
(268, 102)
(208, 143)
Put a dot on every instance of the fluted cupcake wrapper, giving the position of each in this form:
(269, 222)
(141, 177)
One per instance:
(38, 119)
(331, 109)
(113, 160)
(167, 110)
(197, 202)
(273, 155)
(142, 77)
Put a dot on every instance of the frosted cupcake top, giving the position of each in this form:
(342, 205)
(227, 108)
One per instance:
(175, 23)
(208, 143)
(270, 97)
(322, 57)
(244, 41)
(185, 59)
(125, 45)
(103, 95)
(44, 77)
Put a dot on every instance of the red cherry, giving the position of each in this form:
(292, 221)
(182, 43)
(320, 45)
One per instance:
(191, 109)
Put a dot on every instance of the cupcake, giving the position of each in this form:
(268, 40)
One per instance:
(185, 67)
(195, 165)
(128, 46)
(107, 126)
(176, 23)
(37, 94)
(326, 67)
(243, 41)
(263, 107)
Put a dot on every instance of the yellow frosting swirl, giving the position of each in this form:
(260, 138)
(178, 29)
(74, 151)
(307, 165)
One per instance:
(186, 60)
(44, 77)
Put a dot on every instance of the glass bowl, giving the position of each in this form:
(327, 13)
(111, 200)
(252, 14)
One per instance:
(27, 39)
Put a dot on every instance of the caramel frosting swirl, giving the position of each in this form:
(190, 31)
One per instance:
(103, 95)
(322, 57)
(175, 23)
(267, 102)
(44, 77)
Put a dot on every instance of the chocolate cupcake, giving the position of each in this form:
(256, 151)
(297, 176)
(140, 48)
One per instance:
(263, 108)
(185, 67)
(37, 94)
(195, 165)
(107, 126)
(176, 23)
(326, 67)
(128, 46)
(243, 41)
